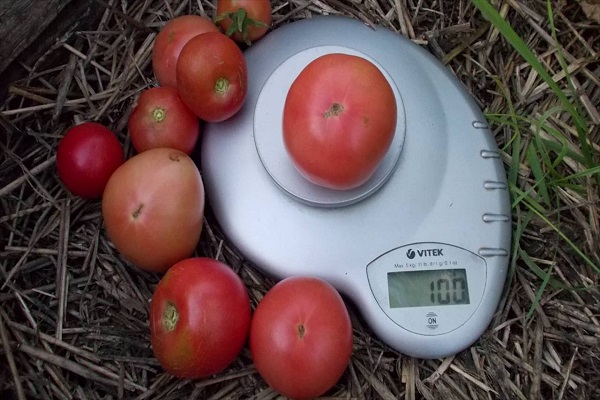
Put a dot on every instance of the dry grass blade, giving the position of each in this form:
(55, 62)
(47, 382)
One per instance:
(74, 313)
(377, 385)
(11, 359)
(77, 368)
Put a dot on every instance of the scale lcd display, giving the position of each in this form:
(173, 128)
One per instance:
(438, 287)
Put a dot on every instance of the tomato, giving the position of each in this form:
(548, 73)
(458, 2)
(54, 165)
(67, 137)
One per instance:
(199, 318)
(170, 40)
(86, 157)
(244, 20)
(160, 119)
(153, 208)
(339, 120)
(212, 76)
(301, 337)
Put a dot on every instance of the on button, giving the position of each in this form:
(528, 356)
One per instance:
(432, 322)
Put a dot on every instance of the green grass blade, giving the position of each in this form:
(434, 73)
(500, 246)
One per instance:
(566, 239)
(492, 15)
(521, 196)
(540, 291)
(578, 175)
(538, 173)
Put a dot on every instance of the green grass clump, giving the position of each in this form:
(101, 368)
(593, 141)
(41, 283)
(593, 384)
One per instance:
(550, 161)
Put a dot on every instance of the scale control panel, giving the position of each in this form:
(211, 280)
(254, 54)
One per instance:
(428, 288)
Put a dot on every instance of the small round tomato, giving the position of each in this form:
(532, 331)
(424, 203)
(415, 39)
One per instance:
(339, 120)
(245, 21)
(153, 208)
(86, 157)
(161, 119)
(212, 76)
(301, 337)
(199, 318)
(169, 42)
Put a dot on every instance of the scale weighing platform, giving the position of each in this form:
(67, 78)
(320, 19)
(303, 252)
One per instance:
(421, 248)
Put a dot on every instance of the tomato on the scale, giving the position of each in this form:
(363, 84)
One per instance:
(339, 120)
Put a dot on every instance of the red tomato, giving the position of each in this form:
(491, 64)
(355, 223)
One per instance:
(212, 76)
(244, 20)
(160, 119)
(301, 337)
(86, 157)
(169, 42)
(153, 208)
(199, 318)
(339, 120)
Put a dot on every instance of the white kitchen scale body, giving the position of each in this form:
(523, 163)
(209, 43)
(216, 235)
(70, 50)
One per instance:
(422, 248)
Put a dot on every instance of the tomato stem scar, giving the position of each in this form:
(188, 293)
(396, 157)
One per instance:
(159, 114)
(170, 316)
(221, 85)
(137, 211)
(301, 331)
(333, 111)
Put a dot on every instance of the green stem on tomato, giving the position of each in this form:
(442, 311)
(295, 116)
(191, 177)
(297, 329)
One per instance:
(221, 85)
(240, 23)
(159, 114)
(170, 316)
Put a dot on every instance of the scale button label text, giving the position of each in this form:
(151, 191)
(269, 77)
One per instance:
(432, 320)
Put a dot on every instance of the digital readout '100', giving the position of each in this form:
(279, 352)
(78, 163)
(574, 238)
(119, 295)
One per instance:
(428, 288)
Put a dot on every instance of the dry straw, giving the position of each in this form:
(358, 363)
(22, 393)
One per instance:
(73, 313)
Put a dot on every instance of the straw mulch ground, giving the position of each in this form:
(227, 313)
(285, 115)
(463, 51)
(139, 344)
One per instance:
(73, 313)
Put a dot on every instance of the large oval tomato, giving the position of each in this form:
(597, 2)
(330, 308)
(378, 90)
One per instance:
(301, 337)
(161, 119)
(244, 20)
(212, 76)
(153, 208)
(339, 120)
(170, 40)
(199, 318)
(86, 157)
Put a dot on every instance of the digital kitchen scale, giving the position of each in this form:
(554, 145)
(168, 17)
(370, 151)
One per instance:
(421, 248)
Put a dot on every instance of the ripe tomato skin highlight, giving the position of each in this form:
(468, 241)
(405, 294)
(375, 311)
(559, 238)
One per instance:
(86, 157)
(212, 76)
(153, 208)
(301, 337)
(199, 318)
(339, 120)
(257, 10)
(161, 119)
(170, 40)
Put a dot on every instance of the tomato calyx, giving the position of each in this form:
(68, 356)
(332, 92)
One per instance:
(136, 213)
(159, 114)
(221, 86)
(301, 331)
(170, 316)
(240, 23)
(174, 157)
(335, 110)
